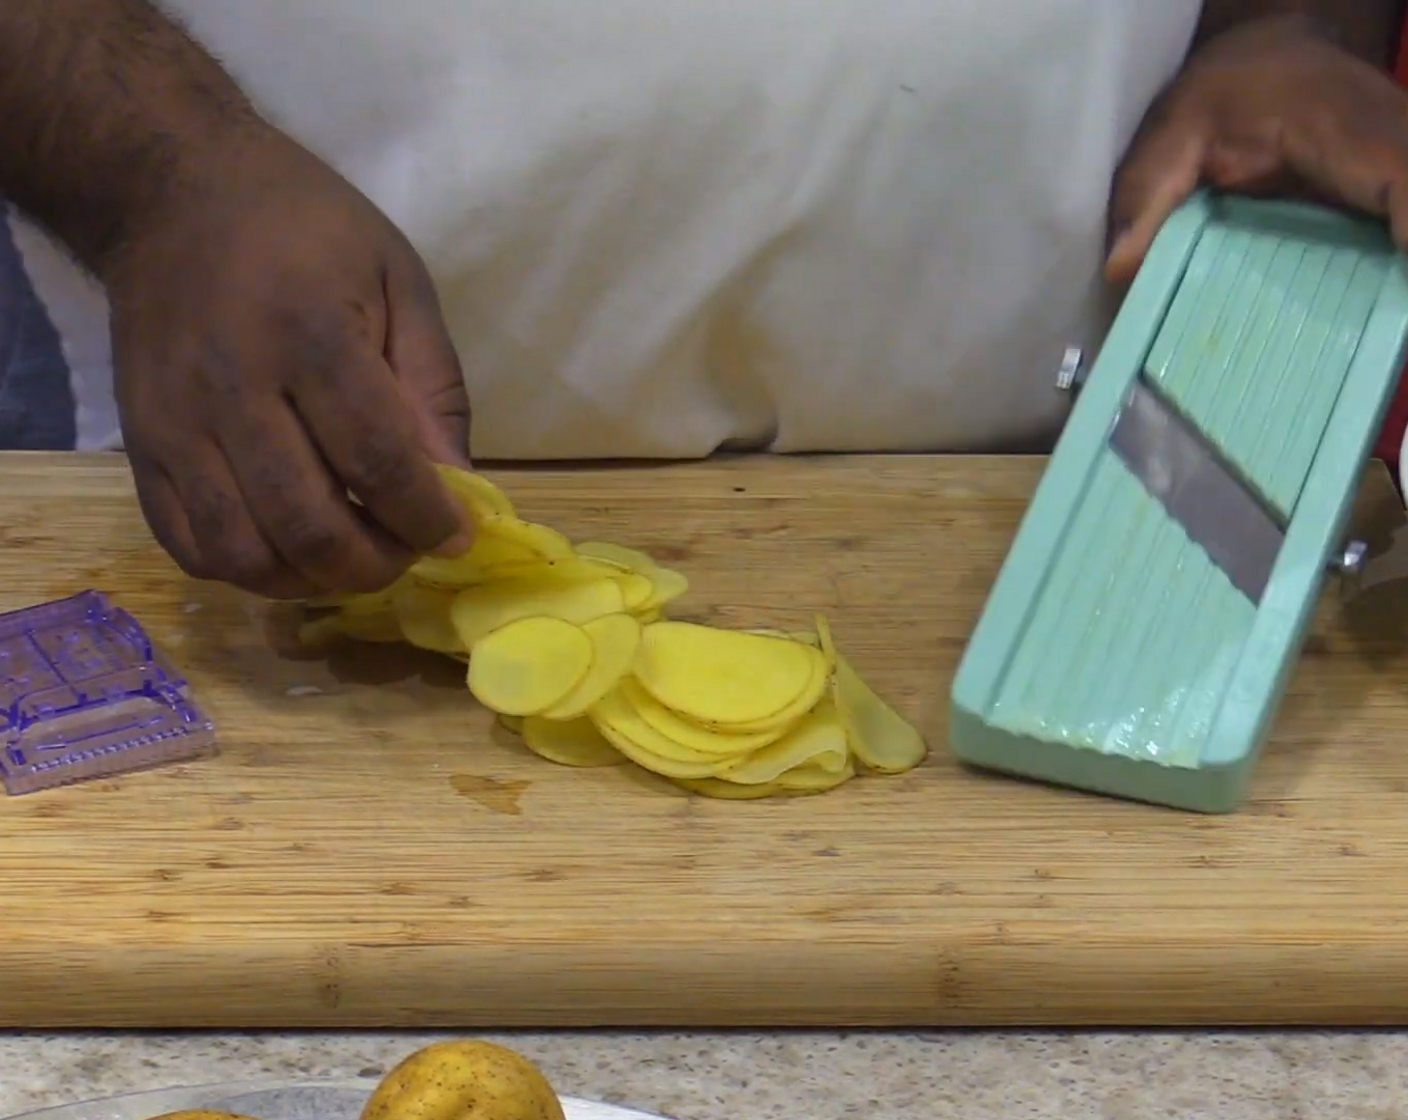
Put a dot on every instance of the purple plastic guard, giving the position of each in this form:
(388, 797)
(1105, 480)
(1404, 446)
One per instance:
(85, 694)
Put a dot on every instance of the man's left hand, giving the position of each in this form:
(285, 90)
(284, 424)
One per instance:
(1269, 108)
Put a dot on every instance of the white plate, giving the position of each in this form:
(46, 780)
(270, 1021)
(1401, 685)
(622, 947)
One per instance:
(274, 1100)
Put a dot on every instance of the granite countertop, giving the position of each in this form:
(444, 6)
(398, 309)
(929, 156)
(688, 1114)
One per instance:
(875, 1076)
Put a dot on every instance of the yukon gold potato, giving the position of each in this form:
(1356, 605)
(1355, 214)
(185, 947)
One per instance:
(201, 1115)
(529, 665)
(569, 645)
(465, 1080)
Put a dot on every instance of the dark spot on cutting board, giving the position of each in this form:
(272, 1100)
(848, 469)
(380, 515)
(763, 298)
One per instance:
(495, 794)
(828, 853)
(165, 875)
(1354, 851)
(230, 824)
(217, 865)
(546, 875)
(670, 553)
(398, 890)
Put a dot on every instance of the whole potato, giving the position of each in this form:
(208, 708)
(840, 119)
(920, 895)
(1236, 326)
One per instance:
(464, 1080)
(200, 1114)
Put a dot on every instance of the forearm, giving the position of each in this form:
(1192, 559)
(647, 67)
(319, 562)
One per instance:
(106, 108)
(1369, 28)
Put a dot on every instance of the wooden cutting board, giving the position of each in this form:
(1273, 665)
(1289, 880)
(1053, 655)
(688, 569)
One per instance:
(366, 851)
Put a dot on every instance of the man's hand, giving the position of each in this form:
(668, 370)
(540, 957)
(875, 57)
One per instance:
(278, 344)
(285, 380)
(1270, 107)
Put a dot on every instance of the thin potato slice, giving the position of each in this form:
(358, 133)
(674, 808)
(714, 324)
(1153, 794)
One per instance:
(627, 559)
(880, 737)
(696, 737)
(529, 665)
(510, 723)
(724, 677)
(671, 768)
(667, 585)
(786, 718)
(730, 791)
(481, 610)
(634, 738)
(637, 590)
(527, 535)
(480, 496)
(615, 641)
(423, 614)
(575, 742)
(815, 779)
(615, 710)
(819, 740)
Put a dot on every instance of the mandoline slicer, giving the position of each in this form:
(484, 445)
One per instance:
(1143, 628)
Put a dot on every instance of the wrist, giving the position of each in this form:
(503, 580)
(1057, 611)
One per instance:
(192, 162)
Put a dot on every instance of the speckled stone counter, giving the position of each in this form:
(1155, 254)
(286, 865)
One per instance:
(800, 1076)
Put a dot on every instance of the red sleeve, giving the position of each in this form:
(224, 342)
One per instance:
(1396, 422)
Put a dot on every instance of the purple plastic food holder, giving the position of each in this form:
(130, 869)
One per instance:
(84, 693)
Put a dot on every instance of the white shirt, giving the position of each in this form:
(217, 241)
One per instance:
(659, 227)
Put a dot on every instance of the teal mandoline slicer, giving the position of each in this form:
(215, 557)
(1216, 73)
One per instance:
(1143, 628)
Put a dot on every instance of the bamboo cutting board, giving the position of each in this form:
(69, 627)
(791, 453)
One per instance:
(367, 852)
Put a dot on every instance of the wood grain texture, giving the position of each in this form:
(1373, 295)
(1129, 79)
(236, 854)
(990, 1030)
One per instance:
(367, 851)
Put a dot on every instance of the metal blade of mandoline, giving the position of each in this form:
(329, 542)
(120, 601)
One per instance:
(1199, 488)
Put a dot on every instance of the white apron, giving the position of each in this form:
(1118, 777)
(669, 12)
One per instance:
(660, 227)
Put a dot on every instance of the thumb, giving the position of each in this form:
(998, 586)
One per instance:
(1160, 172)
(422, 355)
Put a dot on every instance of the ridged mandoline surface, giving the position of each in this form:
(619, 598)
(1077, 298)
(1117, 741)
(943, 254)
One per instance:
(1135, 634)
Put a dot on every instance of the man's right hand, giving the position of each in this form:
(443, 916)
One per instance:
(278, 345)
(285, 381)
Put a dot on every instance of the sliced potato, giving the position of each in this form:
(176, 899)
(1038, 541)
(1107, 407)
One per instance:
(724, 677)
(816, 779)
(627, 559)
(667, 585)
(481, 496)
(732, 791)
(696, 737)
(882, 739)
(423, 615)
(529, 665)
(574, 742)
(635, 739)
(615, 641)
(819, 740)
(481, 610)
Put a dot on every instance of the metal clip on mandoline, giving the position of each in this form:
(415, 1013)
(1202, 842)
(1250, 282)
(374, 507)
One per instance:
(1144, 626)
